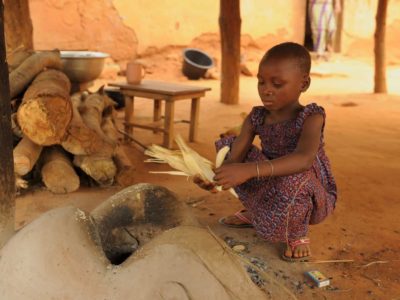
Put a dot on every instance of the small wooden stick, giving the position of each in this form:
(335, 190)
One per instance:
(132, 139)
(375, 262)
(329, 261)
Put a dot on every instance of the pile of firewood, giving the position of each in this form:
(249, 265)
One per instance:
(56, 133)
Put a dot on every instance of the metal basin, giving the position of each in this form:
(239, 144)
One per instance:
(82, 66)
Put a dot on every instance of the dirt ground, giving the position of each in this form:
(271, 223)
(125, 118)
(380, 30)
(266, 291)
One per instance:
(363, 143)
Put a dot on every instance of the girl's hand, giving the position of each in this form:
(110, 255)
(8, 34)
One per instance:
(233, 174)
(205, 185)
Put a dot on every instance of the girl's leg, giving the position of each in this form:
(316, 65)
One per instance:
(309, 204)
(282, 209)
(242, 218)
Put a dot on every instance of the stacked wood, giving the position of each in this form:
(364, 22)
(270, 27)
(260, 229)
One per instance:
(46, 111)
(98, 166)
(58, 174)
(30, 67)
(26, 154)
(79, 138)
(77, 130)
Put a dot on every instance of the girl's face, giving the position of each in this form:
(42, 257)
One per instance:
(280, 83)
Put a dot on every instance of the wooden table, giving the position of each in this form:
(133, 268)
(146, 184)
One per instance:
(160, 91)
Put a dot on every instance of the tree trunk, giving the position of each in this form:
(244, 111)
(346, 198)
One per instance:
(46, 110)
(18, 24)
(7, 183)
(379, 48)
(229, 24)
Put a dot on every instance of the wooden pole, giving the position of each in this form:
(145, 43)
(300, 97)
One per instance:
(229, 24)
(18, 24)
(337, 42)
(379, 48)
(7, 182)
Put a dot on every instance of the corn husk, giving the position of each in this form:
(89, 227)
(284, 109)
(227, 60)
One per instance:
(187, 161)
(172, 157)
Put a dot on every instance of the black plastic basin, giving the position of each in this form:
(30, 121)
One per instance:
(195, 63)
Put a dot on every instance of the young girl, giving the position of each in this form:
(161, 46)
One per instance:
(288, 184)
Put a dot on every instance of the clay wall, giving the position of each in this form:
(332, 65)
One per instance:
(359, 28)
(124, 28)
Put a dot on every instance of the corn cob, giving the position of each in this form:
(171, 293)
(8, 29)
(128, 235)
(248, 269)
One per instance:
(187, 161)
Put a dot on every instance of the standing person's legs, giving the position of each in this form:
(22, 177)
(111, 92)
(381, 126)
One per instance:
(320, 18)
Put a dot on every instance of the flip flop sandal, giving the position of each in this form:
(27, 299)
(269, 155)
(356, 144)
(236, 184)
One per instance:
(293, 245)
(246, 222)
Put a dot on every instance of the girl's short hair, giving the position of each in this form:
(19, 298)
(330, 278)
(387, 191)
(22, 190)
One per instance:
(290, 50)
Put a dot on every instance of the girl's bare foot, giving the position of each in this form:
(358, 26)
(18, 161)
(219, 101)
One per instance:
(298, 249)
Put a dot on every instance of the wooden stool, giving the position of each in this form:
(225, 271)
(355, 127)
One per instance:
(159, 91)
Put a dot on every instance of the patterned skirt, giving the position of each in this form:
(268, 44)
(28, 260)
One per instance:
(282, 207)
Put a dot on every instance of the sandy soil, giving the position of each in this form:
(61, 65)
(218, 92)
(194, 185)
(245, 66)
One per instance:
(362, 141)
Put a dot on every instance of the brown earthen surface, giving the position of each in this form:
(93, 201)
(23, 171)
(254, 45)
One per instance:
(362, 142)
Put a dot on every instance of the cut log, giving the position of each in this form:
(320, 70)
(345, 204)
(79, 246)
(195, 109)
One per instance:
(101, 169)
(46, 110)
(79, 138)
(58, 174)
(92, 113)
(30, 67)
(16, 58)
(26, 154)
(125, 169)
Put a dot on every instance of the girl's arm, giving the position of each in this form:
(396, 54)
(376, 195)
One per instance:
(298, 161)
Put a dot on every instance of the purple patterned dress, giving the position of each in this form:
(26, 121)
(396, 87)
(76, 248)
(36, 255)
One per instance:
(282, 207)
